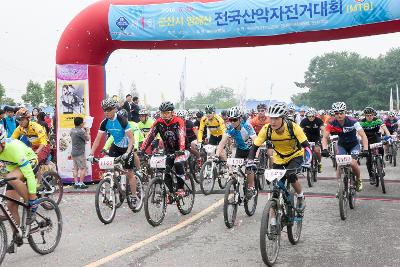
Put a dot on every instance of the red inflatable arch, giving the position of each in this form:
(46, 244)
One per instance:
(87, 40)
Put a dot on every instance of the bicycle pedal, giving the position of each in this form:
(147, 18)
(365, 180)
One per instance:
(11, 248)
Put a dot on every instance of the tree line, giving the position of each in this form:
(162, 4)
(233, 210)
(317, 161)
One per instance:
(349, 77)
(35, 95)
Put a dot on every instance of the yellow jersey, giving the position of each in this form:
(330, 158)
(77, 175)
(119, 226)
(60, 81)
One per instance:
(283, 143)
(35, 133)
(216, 126)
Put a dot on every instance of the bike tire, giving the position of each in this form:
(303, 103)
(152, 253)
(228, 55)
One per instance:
(160, 200)
(342, 200)
(316, 166)
(380, 176)
(140, 194)
(222, 181)
(42, 224)
(269, 260)
(112, 200)
(248, 208)
(310, 179)
(352, 192)
(3, 241)
(190, 191)
(261, 180)
(294, 228)
(54, 180)
(229, 200)
(192, 169)
(211, 180)
(394, 156)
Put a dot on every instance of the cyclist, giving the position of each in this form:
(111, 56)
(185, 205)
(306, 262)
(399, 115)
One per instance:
(312, 127)
(20, 162)
(224, 116)
(35, 134)
(347, 129)
(137, 134)
(215, 125)
(301, 116)
(289, 144)
(372, 127)
(292, 115)
(190, 136)
(260, 120)
(392, 123)
(145, 123)
(243, 134)
(172, 131)
(119, 128)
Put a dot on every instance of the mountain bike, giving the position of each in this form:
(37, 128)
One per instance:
(313, 170)
(392, 151)
(378, 165)
(212, 169)
(114, 188)
(262, 164)
(158, 195)
(347, 188)
(42, 229)
(50, 185)
(279, 212)
(235, 192)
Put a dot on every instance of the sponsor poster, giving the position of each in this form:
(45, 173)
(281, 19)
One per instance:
(72, 101)
(238, 18)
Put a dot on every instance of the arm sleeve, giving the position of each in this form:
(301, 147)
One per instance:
(261, 137)
(108, 143)
(150, 136)
(24, 165)
(201, 131)
(253, 151)
(136, 132)
(103, 126)
(181, 134)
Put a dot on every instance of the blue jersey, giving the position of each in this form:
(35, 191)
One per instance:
(117, 128)
(243, 136)
(347, 132)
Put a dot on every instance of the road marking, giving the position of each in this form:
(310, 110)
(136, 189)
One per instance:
(156, 237)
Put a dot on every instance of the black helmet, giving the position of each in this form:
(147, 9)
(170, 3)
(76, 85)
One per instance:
(261, 106)
(166, 106)
(199, 114)
(123, 113)
(209, 109)
(369, 110)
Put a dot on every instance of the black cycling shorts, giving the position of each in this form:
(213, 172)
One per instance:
(116, 151)
(294, 163)
(241, 153)
(214, 140)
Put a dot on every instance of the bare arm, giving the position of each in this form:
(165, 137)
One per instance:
(325, 137)
(364, 138)
(222, 144)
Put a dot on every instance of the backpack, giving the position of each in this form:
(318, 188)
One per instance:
(292, 136)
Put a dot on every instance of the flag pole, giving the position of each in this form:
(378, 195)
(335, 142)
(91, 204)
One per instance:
(397, 97)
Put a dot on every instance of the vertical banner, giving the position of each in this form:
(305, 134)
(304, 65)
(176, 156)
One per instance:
(391, 100)
(72, 101)
(182, 86)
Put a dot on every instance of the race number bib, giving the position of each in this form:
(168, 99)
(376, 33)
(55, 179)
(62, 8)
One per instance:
(343, 160)
(234, 162)
(274, 174)
(106, 163)
(158, 162)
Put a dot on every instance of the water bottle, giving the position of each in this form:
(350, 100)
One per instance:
(123, 182)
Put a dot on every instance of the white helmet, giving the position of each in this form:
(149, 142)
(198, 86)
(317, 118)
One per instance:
(182, 113)
(391, 114)
(291, 107)
(339, 106)
(311, 112)
(234, 112)
(276, 110)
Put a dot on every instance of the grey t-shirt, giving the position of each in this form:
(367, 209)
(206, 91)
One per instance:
(78, 142)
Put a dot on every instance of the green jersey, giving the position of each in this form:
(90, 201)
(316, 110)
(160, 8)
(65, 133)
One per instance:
(137, 134)
(16, 154)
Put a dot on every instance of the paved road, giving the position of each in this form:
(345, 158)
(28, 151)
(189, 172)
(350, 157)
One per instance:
(369, 237)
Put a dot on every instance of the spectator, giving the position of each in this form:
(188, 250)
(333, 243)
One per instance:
(10, 122)
(41, 116)
(79, 137)
(2, 119)
(131, 105)
(35, 112)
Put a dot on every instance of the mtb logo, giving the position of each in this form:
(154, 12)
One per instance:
(348, 129)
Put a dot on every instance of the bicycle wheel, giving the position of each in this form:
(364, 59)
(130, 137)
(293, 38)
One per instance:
(394, 155)
(261, 180)
(46, 227)
(250, 205)
(296, 223)
(222, 180)
(207, 178)
(351, 191)
(155, 204)
(231, 203)
(105, 201)
(342, 196)
(53, 184)
(193, 172)
(139, 194)
(316, 167)
(269, 242)
(185, 204)
(379, 173)
(3, 241)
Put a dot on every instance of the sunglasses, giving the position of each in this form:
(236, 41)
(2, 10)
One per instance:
(312, 116)
(233, 119)
(369, 115)
(339, 113)
(166, 113)
(107, 109)
(261, 110)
